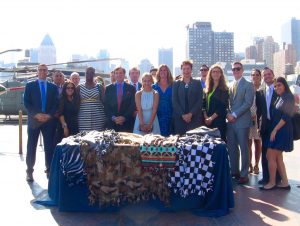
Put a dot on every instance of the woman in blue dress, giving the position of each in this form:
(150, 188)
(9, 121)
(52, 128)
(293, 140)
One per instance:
(281, 138)
(146, 101)
(164, 88)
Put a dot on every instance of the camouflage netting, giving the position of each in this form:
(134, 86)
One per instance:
(116, 176)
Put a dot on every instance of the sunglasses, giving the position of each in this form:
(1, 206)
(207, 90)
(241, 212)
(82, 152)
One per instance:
(70, 88)
(236, 69)
(204, 69)
(42, 69)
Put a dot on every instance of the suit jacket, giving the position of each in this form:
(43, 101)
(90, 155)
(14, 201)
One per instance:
(262, 112)
(33, 101)
(127, 107)
(195, 96)
(218, 104)
(241, 102)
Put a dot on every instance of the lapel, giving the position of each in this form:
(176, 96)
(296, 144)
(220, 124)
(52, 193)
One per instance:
(180, 90)
(274, 98)
(190, 89)
(37, 85)
(114, 92)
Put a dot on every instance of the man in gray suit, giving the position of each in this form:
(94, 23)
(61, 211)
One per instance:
(241, 95)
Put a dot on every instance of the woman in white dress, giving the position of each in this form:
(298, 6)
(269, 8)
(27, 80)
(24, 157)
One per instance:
(146, 101)
(253, 134)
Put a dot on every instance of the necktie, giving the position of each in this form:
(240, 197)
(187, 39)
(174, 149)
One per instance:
(43, 96)
(135, 86)
(119, 95)
(268, 100)
(235, 85)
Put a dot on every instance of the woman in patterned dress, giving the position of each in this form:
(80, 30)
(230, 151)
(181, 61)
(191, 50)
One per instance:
(91, 111)
(253, 135)
(164, 88)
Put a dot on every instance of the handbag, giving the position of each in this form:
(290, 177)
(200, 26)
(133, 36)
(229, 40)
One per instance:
(296, 126)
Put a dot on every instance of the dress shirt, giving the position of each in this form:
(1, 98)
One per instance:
(269, 93)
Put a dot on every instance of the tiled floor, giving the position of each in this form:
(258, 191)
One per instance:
(252, 206)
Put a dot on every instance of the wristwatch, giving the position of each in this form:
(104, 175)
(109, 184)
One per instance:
(64, 125)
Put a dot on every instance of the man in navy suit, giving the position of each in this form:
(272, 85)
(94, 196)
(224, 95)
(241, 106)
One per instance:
(119, 103)
(40, 100)
(265, 104)
(134, 74)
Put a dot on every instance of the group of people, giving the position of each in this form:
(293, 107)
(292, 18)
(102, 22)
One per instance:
(242, 111)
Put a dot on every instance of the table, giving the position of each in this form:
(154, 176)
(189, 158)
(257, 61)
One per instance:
(214, 204)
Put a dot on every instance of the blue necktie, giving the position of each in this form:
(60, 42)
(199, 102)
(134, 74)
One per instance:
(120, 94)
(43, 95)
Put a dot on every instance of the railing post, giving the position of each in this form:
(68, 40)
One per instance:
(20, 132)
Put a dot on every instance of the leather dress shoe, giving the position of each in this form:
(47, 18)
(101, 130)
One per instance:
(267, 189)
(29, 177)
(243, 180)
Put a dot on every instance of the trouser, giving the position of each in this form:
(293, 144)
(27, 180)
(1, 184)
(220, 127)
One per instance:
(237, 141)
(47, 130)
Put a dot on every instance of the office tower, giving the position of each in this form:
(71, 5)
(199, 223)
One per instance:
(33, 55)
(47, 51)
(269, 48)
(145, 66)
(291, 35)
(223, 47)
(204, 46)
(165, 56)
(103, 66)
(283, 59)
(258, 43)
(251, 53)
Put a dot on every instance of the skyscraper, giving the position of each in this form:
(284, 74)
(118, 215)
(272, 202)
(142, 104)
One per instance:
(103, 66)
(200, 45)
(269, 48)
(284, 58)
(251, 53)
(165, 56)
(145, 66)
(291, 35)
(223, 47)
(258, 43)
(47, 51)
(207, 47)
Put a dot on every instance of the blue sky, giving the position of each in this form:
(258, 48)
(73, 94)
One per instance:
(134, 29)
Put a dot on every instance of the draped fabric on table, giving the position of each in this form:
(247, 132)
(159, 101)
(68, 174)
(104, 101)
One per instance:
(215, 201)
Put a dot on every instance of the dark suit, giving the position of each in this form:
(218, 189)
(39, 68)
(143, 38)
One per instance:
(265, 126)
(139, 86)
(195, 96)
(33, 104)
(218, 104)
(127, 107)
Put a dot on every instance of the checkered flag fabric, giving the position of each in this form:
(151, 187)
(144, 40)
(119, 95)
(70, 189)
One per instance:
(194, 167)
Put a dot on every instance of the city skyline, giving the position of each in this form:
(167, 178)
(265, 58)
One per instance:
(135, 30)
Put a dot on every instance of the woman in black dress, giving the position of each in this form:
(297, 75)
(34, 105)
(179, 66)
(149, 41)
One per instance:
(68, 110)
(281, 138)
(215, 102)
